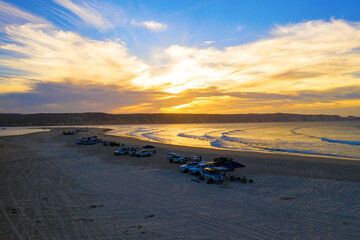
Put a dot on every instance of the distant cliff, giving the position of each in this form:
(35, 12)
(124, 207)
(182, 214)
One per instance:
(63, 119)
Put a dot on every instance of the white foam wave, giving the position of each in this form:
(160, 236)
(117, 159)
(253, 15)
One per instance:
(340, 141)
(233, 131)
(302, 152)
(152, 136)
(204, 137)
(223, 145)
(233, 139)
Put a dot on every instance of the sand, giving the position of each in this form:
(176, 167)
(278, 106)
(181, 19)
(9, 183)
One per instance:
(53, 189)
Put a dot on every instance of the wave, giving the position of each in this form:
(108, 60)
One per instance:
(138, 132)
(220, 144)
(233, 131)
(340, 141)
(233, 139)
(305, 152)
(152, 136)
(204, 137)
(294, 131)
(247, 141)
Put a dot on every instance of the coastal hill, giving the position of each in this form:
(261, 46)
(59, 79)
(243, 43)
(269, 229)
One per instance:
(63, 119)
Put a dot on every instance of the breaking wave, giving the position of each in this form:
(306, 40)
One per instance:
(152, 136)
(303, 152)
(340, 141)
(204, 137)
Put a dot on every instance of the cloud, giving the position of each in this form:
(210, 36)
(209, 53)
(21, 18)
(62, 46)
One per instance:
(151, 25)
(310, 67)
(312, 55)
(103, 18)
(208, 42)
(12, 84)
(67, 97)
(10, 14)
(346, 101)
(239, 28)
(53, 55)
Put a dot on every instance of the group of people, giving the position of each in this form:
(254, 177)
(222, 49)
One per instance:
(239, 179)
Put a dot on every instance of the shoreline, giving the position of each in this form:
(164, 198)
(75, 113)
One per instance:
(259, 162)
(281, 156)
(338, 158)
(105, 130)
(54, 189)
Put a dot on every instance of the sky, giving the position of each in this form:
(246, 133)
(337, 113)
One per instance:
(160, 56)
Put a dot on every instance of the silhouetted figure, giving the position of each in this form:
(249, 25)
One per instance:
(243, 180)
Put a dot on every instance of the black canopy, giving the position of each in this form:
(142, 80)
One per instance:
(232, 165)
(148, 146)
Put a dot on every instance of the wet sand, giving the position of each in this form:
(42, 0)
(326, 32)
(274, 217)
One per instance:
(53, 189)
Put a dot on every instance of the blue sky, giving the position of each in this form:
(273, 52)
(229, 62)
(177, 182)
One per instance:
(192, 23)
(168, 48)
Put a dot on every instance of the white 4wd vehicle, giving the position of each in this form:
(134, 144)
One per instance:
(211, 175)
(122, 151)
(144, 153)
(186, 167)
(197, 170)
(175, 158)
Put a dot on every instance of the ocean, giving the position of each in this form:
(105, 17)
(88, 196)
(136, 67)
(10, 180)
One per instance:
(339, 139)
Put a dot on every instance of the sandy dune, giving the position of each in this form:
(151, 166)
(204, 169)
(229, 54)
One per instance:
(52, 189)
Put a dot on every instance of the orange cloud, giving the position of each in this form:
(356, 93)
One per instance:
(291, 70)
(53, 55)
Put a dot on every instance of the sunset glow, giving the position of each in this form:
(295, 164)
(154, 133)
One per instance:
(117, 57)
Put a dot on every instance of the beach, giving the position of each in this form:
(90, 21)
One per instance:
(54, 189)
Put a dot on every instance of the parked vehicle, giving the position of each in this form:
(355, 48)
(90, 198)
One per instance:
(192, 158)
(144, 153)
(197, 170)
(170, 156)
(81, 130)
(122, 151)
(111, 144)
(133, 151)
(69, 133)
(211, 175)
(186, 167)
(89, 142)
(175, 158)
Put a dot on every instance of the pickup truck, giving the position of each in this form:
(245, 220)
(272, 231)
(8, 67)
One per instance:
(211, 175)
(144, 153)
(197, 170)
(122, 151)
(186, 167)
(175, 158)
(111, 144)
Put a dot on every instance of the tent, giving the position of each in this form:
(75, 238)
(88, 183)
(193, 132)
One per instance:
(222, 160)
(232, 165)
(148, 146)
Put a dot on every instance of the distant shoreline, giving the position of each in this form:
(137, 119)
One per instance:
(70, 119)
